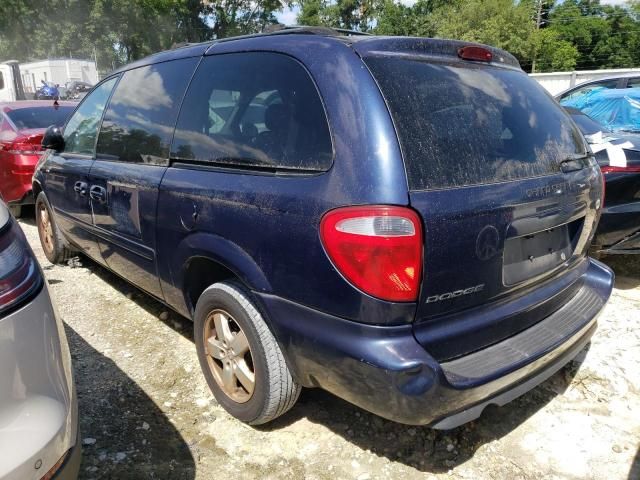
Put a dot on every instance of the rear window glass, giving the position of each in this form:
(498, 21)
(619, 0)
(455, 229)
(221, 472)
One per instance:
(467, 125)
(251, 110)
(39, 117)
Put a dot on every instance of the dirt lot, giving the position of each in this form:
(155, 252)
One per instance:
(146, 412)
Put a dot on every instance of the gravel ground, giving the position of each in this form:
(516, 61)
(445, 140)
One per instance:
(146, 412)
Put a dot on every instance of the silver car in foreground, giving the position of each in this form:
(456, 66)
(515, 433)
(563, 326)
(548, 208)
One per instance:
(38, 405)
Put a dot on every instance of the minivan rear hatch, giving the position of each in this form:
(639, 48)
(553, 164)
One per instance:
(503, 180)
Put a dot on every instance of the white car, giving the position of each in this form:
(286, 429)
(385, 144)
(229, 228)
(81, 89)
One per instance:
(38, 405)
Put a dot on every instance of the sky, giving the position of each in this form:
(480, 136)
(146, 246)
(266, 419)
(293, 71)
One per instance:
(288, 15)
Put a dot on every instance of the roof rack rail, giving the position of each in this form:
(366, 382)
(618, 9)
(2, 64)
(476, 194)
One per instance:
(296, 29)
(316, 30)
(280, 29)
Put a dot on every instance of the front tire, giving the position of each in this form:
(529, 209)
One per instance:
(239, 356)
(54, 246)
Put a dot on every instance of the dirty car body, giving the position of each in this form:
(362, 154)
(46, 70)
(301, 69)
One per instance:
(475, 284)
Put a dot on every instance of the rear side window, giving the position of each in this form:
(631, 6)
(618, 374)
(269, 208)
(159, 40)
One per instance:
(579, 92)
(251, 110)
(466, 125)
(633, 83)
(139, 122)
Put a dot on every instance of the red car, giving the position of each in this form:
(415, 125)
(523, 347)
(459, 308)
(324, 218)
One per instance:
(22, 125)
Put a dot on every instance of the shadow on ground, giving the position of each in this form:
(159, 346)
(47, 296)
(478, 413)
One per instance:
(626, 268)
(634, 472)
(170, 318)
(126, 436)
(422, 448)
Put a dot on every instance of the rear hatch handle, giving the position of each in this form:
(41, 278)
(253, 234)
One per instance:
(575, 163)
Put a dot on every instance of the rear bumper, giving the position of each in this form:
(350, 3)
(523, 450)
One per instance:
(386, 371)
(38, 403)
(70, 469)
(25, 199)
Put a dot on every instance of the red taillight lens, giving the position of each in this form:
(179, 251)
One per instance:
(25, 149)
(23, 169)
(19, 275)
(471, 52)
(376, 248)
(629, 169)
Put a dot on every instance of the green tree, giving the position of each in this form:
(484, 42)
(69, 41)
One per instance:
(501, 23)
(119, 31)
(553, 53)
(398, 19)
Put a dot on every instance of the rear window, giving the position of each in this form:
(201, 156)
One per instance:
(467, 125)
(39, 117)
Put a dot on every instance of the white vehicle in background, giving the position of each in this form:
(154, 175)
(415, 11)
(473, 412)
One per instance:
(38, 404)
(11, 88)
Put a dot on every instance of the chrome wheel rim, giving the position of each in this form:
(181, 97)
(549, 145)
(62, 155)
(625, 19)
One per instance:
(45, 229)
(229, 356)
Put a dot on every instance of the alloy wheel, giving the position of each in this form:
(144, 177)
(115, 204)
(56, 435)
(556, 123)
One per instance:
(45, 228)
(229, 356)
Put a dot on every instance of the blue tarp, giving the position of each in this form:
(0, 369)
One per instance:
(615, 108)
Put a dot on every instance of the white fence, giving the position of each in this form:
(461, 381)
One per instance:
(556, 82)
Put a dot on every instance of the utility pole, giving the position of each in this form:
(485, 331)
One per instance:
(95, 59)
(538, 22)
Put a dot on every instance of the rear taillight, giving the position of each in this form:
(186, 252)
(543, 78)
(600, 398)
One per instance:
(25, 149)
(19, 274)
(628, 169)
(376, 248)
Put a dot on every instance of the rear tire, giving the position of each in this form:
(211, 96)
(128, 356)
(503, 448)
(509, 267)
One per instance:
(54, 245)
(239, 356)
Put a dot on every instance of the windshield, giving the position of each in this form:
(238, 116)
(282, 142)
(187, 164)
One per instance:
(465, 125)
(39, 117)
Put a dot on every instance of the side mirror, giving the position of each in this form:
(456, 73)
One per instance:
(53, 139)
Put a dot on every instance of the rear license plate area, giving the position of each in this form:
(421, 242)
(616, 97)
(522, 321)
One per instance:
(531, 255)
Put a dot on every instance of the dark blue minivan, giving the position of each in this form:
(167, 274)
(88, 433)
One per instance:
(400, 221)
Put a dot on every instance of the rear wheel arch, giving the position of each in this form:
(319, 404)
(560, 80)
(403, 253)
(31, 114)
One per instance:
(202, 259)
(200, 272)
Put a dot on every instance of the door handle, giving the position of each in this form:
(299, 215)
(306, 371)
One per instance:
(81, 188)
(98, 193)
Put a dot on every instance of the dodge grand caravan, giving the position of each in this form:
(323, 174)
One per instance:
(401, 221)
